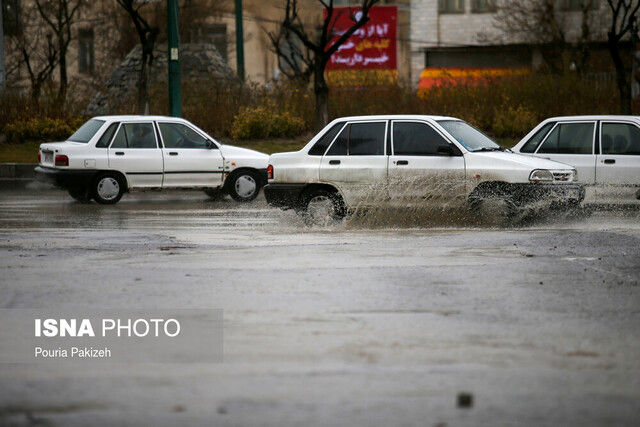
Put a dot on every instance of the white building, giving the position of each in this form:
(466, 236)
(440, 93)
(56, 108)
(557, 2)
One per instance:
(463, 34)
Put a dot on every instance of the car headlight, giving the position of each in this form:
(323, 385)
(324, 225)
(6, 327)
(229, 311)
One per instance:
(541, 175)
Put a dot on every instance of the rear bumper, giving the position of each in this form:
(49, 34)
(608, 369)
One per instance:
(286, 196)
(64, 178)
(530, 193)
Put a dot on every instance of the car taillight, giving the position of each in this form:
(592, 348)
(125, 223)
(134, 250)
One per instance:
(39, 157)
(270, 172)
(62, 160)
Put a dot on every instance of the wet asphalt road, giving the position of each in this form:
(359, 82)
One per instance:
(331, 326)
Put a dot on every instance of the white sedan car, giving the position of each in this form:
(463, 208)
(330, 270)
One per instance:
(604, 149)
(110, 155)
(411, 160)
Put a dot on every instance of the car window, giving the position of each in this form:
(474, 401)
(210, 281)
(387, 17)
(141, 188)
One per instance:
(86, 131)
(140, 135)
(120, 141)
(569, 138)
(531, 145)
(177, 135)
(135, 135)
(470, 138)
(339, 146)
(620, 138)
(416, 139)
(105, 139)
(320, 147)
(367, 139)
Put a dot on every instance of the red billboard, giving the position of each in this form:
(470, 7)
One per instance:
(372, 47)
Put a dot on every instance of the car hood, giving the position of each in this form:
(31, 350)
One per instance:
(515, 159)
(232, 151)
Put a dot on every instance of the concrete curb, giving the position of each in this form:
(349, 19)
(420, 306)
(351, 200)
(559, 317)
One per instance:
(17, 171)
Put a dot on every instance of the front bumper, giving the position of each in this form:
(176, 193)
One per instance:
(65, 178)
(530, 193)
(285, 196)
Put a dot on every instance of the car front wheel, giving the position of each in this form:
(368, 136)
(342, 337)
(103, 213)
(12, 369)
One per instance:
(244, 186)
(107, 189)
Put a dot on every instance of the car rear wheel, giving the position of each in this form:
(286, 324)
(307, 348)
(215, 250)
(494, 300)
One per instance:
(107, 189)
(244, 186)
(80, 194)
(323, 208)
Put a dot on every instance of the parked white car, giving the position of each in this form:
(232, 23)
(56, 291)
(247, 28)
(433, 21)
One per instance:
(110, 155)
(604, 149)
(410, 160)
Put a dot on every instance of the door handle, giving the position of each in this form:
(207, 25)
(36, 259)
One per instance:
(609, 161)
(119, 153)
(173, 153)
(402, 162)
(334, 162)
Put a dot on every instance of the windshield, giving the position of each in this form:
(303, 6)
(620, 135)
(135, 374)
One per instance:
(86, 131)
(470, 137)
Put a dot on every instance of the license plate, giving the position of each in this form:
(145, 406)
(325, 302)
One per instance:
(48, 157)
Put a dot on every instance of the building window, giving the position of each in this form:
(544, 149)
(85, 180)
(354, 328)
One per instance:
(11, 23)
(451, 6)
(85, 51)
(215, 34)
(483, 6)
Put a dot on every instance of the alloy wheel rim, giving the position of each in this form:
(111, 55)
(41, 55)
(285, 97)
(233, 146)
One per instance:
(245, 186)
(108, 188)
(321, 210)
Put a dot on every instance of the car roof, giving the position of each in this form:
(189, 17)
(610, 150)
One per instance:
(397, 117)
(137, 117)
(595, 117)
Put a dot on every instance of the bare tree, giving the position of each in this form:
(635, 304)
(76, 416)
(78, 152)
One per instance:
(59, 16)
(307, 52)
(148, 34)
(40, 61)
(536, 22)
(624, 22)
(543, 23)
(34, 50)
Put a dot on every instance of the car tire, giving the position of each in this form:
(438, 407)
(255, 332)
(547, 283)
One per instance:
(323, 207)
(80, 194)
(215, 193)
(107, 189)
(499, 207)
(244, 185)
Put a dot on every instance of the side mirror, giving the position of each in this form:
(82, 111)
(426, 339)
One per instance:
(447, 150)
(210, 144)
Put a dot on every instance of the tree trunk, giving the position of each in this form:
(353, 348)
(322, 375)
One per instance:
(62, 65)
(143, 85)
(321, 91)
(624, 85)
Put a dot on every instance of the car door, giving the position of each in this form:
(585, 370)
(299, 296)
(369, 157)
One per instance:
(190, 159)
(618, 165)
(572, 143)
(134, 151)
(419, 171)
(356, 162)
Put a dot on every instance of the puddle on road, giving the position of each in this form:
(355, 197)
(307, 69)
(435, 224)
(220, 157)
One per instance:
(154, 211)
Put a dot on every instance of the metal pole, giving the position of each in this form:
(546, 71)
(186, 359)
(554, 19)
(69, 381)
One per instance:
(175, 96)
(239, 40)
(3, 70)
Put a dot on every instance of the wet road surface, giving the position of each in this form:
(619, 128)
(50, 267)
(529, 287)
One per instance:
(330, 326)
